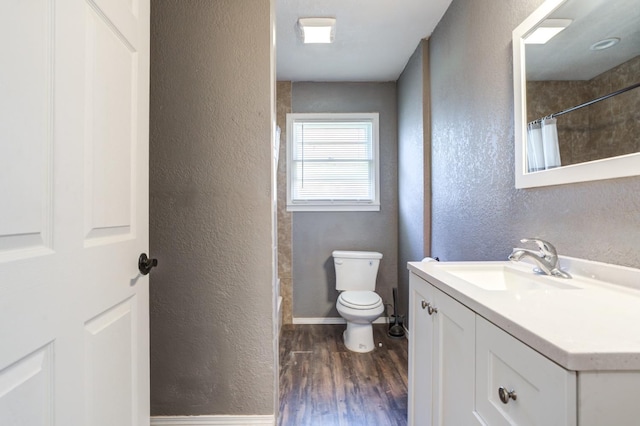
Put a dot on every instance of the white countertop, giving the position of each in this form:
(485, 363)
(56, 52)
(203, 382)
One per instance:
(593, 327)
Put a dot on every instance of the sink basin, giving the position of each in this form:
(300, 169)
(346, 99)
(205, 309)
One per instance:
(501, 277)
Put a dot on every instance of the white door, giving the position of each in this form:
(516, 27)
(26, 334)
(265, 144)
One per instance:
(73, 212)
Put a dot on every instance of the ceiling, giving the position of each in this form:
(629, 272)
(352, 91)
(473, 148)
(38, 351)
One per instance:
(374, 38)
(567, 56)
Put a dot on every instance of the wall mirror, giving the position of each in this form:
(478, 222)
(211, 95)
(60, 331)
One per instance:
(577, 92)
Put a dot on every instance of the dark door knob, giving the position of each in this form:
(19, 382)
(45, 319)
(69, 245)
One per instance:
(145, 264)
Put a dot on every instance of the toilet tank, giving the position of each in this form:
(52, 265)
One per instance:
(356, 270)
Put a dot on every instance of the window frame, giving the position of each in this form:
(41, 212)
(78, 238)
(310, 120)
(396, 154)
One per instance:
(335, 205)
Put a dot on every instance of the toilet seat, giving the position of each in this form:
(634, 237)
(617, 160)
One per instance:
(361, 300)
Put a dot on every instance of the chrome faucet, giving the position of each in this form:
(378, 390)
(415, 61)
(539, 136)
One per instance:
(546, 257)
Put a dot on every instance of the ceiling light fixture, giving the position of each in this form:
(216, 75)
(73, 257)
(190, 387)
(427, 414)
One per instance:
(548, 29)
(605, 44)
(317, 30)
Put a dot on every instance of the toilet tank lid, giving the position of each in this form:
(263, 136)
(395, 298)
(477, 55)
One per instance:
(356, 254)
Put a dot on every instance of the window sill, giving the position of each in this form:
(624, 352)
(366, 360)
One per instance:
(333, 207)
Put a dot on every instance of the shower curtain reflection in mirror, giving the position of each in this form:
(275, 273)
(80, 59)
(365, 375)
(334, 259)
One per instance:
(543, 151)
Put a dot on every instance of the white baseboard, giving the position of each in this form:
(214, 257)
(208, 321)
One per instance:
(212, 420)
(332, 320)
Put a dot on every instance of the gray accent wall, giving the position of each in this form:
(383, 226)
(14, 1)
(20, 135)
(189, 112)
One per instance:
(212, 102)
(414, 173)
(316, 234)
(477, 212)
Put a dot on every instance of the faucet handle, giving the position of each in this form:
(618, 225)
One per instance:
(545, 246)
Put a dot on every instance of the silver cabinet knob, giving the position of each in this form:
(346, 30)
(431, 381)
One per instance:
(505, 395)
(426, 305)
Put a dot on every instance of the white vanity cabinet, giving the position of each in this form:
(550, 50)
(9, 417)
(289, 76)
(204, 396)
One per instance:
(492, 344)
(458, 362)
(441, 358)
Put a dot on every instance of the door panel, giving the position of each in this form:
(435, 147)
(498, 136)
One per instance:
(74, 212)
(125, 16)
(26, 128)
(110, 128)
(26, 390)
(110, 361)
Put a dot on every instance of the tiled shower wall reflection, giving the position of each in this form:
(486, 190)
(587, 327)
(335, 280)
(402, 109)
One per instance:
(605, 129)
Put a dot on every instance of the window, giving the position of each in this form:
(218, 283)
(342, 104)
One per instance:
(332, 162)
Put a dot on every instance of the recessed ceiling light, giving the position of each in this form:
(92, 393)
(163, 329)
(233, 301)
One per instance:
(605, 44)
(548, 29)
(317, 30)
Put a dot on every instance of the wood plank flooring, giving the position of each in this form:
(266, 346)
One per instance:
(324, 384)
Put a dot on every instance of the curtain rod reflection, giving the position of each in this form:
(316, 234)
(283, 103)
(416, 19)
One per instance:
(586, 104)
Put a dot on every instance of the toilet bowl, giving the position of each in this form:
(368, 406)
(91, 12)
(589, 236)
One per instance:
(359, 309)
(358, 303)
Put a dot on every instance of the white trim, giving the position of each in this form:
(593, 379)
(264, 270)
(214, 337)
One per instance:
(212, 420)
(334, 207)
(332, 320)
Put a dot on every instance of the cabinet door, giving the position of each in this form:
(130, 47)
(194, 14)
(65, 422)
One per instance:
(543, 392)
(453, 361)
(441, 358)
(420, 352)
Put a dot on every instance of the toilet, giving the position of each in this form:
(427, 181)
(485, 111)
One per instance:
(358, 303)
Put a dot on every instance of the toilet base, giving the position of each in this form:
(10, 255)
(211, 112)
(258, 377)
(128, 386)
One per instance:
(358, 337)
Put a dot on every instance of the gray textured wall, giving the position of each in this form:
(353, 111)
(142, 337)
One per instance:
(477, 212)
(317, 234)
(411, 169)
(211, 111)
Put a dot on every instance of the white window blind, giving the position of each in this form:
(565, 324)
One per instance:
(333, 162)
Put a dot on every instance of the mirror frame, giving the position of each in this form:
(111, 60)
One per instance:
(607, 168)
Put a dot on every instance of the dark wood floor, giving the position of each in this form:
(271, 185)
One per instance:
(324, 384)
